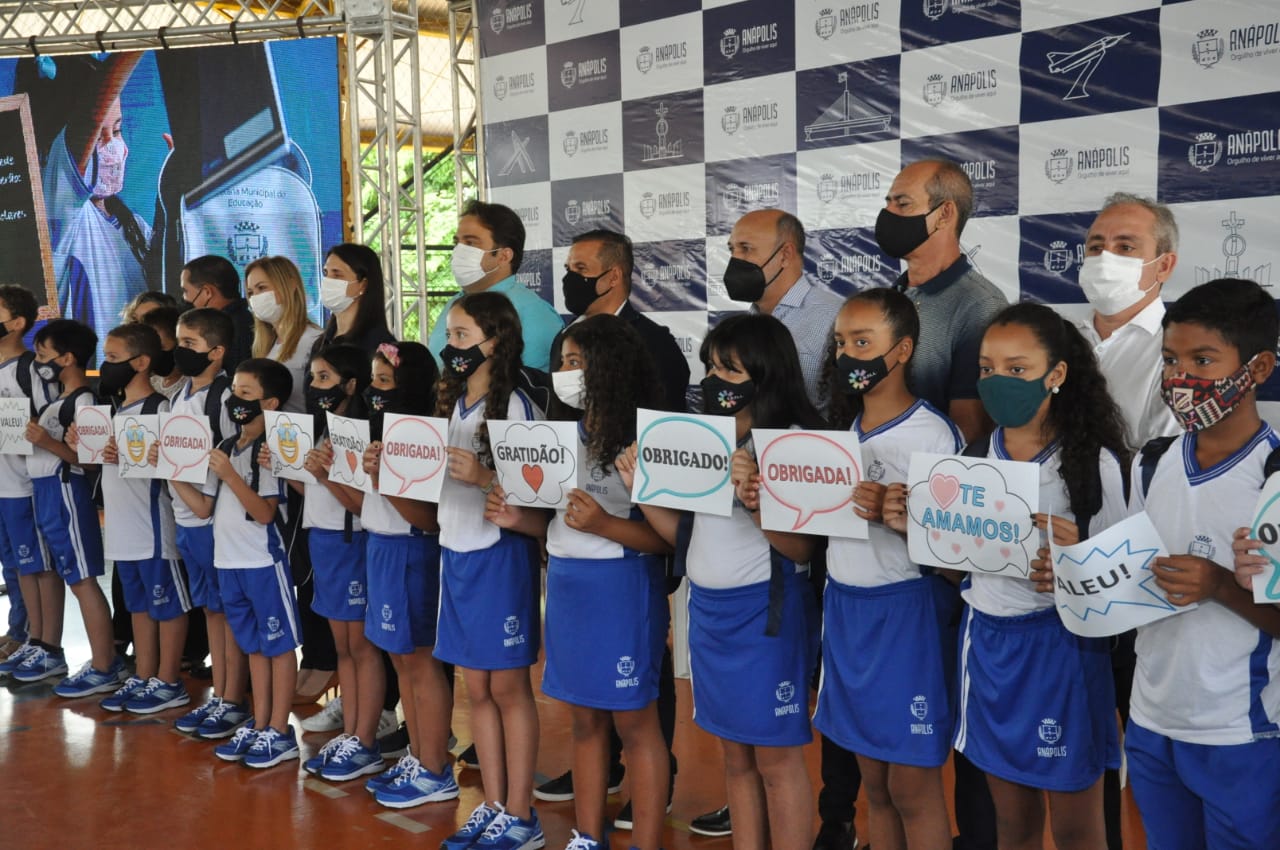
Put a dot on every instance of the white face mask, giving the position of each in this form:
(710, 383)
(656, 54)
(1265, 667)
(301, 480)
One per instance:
(266, 307)
(1113, 283)
(333, 294)
(109, 179)
(466, 263)
(570, 387)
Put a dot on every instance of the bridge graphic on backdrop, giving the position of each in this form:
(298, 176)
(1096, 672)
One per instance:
(847, 116)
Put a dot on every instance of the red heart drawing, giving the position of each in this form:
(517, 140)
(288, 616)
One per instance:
(937, 535)
(533, 476)
(978, 541)
(944, 489)
(1000, 505)
(351, 461)
(1006, 551)
(955, 547)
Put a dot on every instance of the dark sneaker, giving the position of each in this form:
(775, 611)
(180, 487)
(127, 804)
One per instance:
(835, 835)
(713, 824)
(396, 744)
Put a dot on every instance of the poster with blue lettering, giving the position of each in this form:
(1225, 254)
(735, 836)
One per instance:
(1265, 528)
(973, 514)
(1104, 586)
(683, 461)
(807, 479)
(536, 462)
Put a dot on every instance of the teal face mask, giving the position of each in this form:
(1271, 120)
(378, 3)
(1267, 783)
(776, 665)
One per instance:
(1012, 402)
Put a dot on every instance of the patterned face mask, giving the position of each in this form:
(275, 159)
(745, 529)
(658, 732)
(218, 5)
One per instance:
(1200, 403)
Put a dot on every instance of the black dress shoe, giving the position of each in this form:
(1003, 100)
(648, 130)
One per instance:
(835, 835)
(468, 759)
(714, 824)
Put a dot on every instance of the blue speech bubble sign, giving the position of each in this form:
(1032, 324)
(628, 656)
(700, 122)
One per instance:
(703, 482)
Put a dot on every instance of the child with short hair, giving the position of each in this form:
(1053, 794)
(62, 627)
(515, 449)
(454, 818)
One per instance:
(165, 377)
(1204, 729)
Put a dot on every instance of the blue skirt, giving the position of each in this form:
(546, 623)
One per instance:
(404, 591)
(489, 606)
(341, 574)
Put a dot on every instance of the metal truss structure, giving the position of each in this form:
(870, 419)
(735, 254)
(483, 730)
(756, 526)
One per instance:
(468, 142)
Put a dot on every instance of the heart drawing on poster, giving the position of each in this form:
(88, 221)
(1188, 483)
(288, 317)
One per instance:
(944, 489)
(533, 476)
(351, 461)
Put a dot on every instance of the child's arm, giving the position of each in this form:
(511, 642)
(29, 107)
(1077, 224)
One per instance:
(585, 514)
(746, 479)
(264, 461)
(530, 521)
(40, 438)
(417, 513)
(317, 462)
(1190, 578)
(199, 504)
(262, 509)
(663, 521)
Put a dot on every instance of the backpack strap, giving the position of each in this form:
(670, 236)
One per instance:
(1150, 459)
(1272, 464)
(67, 415)
(980, 447)
(151, 404)
(25, 359)
(213, 405)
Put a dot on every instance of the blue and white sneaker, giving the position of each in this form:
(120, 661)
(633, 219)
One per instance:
(116, 701)
(582, 841)
(321, 758)
(41, 664)
(271, 746)
(222, 722)
(416, 785)
(238, 747)
(11, 663)
(481, 816)
(191, 721)
(157, 695)
(508, 832)
(389, 775)
(351, 759)
(87, 681)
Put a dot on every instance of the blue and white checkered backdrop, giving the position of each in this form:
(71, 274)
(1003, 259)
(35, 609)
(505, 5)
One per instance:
(669, 119)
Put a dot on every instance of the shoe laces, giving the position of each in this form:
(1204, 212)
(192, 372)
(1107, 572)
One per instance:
(581, 842)
(243, 733)
(332, 709)
(498, 825)
(265, 739)
(35, 657)
(216, 711)
(479, 815)
(410, 767)
(129, 687)
(209, 705)
(344, 746)
(85, 668)
(153, 684)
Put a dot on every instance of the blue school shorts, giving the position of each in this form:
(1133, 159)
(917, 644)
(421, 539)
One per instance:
(404, 591)
(749, 687)
(1037, 703)
(606, 628)
(261, 609)
(341, 578)
(888, 663)
(69, 525)
(489, 605)
(195, 546)
(155, 587)
(21, 546)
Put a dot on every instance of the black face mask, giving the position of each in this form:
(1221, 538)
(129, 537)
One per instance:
(899, 235)
(162, 364)
(744, 280)
(721, 398)
(49, 372)
(462, 361)
(114, 377)
(320, 402)
(580, 291)
(189, 361)
(242, 411)
(381, 401)
(861, 376)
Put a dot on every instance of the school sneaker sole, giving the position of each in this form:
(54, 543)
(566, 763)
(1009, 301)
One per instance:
(176, 702)
(276, 759)
(353, 772)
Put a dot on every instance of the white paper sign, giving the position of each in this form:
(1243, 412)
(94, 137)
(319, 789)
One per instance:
(1105, 585)
(973, 514)
(93, 431)
(415, 460)
(350, 437)
(807, 480)
(15, 413)
(135, 432)
(289, 437)
(185, 443)
(536, 462)
(684, 461)
(1265, 528)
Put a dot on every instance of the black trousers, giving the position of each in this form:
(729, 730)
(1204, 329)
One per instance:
(1123, 662)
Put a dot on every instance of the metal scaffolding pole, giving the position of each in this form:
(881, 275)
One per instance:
(468, 143)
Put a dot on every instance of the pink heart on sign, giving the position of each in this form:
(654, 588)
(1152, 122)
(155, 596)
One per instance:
(1000, 505)
(978, 541)
(937, 535)
(955, 547)
(944, 489)
(1006, 551)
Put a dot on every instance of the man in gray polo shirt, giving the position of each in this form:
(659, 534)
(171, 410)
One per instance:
(924, 214)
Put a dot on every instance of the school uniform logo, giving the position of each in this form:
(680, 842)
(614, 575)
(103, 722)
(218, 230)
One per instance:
(157, 591)
(387, 614)
(875, 471)
(1202, 546)
(24, 551)
(920, 710)
(511, 626)
(355, 593)
(785, 692)
(1050, 732)
(626, 666)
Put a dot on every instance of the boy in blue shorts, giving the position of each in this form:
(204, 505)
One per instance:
(138, 535)
(253, 572)
(22, 550)
(65, 512)
(1203, 739)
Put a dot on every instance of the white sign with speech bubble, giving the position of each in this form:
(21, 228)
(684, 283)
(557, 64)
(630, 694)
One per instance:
(973, 514)
(415, 457)
(185, 443)
(536, 462)
(93, 431)
(349, 437)
(135, 432)
(15, 413)
(807, 480)
(1265, 528)
(1104, 586)
(289, 437)
(683, 461)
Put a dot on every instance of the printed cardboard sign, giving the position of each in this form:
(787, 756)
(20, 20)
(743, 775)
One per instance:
(15, 413)
(289, 437)
(93, 431)
(349, 437)
(683, 461)
(536, 462)
(415, 460)
(135, 432)
(185, 443)
(1265, 528)
(807, 480)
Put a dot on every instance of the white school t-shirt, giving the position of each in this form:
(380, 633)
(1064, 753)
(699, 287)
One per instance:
(42, 463)
(297, 366)
(186, 401)
(321, 509)
(239, 541)
(605, 486)
(138, 513)
(15, 481)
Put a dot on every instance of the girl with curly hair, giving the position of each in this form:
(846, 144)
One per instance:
(606, 591)
(488, 623)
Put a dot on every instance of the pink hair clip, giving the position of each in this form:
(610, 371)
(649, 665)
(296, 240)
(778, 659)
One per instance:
(391, 353)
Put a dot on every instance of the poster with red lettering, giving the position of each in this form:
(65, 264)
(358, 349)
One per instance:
(185, 442)
(807, 479)
(415, 460)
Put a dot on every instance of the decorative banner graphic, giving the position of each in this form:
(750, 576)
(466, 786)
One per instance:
(93, 430)
(536, 462)
(15, 413)
(414, 456)
(1104, 585)
(684, 461)
(1265, 528)
(289, 437)
(973, 514)
(807, 480)
(350, 437)
(185, 443)
(135, 432)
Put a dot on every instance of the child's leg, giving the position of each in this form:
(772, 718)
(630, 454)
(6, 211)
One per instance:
(236, 663)
(645, 744)
(920, 805)
(172, 637)
(1019, 814)
(591, 768)
(30, 587)
(370, 685)
(1077, 820)
(216, 626)
(283, 672)
(401, 665)
(18, 617)
(745, 793)
(347, 683)
(513, 692)
(97, 622)
(788, 794)
(486, 729)
(146, 644)
(429, 732)
(260, 677)
(886, 829)
(53, 600)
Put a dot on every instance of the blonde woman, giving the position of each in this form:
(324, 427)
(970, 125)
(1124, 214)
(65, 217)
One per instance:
(281, 330)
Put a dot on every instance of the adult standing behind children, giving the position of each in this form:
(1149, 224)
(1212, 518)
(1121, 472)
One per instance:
(211, 281)
(354, 292)
(281, 330)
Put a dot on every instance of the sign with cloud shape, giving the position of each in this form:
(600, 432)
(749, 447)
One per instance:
(349, 437)
(135, 432)
(415, 460)
(807, 480)
(289, 437)
(683, 461)
(536, 462)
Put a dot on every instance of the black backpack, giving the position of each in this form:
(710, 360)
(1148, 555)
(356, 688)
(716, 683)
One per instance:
(1155, 449)
(227, 446)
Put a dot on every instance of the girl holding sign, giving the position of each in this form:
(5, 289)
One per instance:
(489, 576)
(753, 635)
(607, 614)
(888, 657)
(1037, 706)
